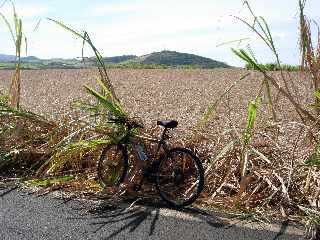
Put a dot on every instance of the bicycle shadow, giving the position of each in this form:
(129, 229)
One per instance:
(147, 212)
(282, 230)
(111, 218)
(5, 190)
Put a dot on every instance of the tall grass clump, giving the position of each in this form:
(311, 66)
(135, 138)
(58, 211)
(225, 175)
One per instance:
(23, 134)
(265, 165)
(16, 32)
(80, 148)
(274, 166)
(310, 54)
(30, 145)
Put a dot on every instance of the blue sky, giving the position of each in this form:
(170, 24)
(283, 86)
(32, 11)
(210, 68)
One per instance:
(139, 27)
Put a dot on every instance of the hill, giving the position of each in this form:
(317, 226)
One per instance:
(7, 58)
(118, 59)
(176, 59)
(163, 59)
(11, 58)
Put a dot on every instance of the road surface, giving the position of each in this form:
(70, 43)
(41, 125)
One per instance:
(28, 216)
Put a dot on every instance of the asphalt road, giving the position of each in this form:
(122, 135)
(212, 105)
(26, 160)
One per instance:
(28, 216)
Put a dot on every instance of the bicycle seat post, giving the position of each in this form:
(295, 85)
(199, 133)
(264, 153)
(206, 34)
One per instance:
(164, 135)
(167, 124)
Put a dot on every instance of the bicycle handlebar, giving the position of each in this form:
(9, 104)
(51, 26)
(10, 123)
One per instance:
(129, 123)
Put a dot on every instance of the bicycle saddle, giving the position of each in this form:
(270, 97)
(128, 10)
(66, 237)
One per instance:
(168, 123)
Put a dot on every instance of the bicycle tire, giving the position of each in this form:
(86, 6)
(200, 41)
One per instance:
(112, 165)
(165, 171)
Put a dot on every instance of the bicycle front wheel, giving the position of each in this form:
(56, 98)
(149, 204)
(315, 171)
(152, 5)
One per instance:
(112, 166)
(180, 177)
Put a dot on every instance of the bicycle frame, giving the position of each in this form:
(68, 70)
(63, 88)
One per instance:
(161, 142)
(129, 139)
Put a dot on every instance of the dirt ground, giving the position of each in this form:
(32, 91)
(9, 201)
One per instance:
(158, 94)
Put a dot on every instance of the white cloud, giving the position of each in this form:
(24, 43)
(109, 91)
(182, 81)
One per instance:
(104, 9)
(25, 10)
(158, 19)
(279, 35)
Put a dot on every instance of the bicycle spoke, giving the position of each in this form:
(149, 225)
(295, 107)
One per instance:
(111, 166)
(178, 178)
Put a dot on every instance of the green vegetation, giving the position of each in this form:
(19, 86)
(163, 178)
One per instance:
(137, 65)
(42, 65)
(46, 182)
(273, 67)
(118, 59)
(75, 64)
(247, 135)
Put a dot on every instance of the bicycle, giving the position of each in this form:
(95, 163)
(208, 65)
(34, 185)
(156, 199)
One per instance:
(177, 173)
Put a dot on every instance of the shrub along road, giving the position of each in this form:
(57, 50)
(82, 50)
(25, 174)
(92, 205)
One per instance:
(27, 216)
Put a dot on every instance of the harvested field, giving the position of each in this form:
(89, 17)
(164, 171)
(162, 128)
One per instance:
(156, 94)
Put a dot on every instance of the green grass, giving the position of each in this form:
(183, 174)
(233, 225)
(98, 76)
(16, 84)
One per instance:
(46, 182)
(273, 67)
(135, 65)
(75, 64)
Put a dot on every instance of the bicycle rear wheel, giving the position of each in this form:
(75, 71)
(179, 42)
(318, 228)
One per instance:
(180, 177)
(112, 166)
